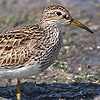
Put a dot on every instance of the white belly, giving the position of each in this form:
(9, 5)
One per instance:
(22, 72)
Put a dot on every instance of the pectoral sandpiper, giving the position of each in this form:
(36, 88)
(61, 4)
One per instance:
(29, 50)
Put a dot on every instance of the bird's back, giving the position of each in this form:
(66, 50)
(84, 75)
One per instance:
(16, 45)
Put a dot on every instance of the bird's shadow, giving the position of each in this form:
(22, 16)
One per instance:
(55, 91)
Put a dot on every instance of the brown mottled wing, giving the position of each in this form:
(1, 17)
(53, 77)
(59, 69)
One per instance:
(15, 45)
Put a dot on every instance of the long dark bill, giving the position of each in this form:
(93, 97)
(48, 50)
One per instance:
(75, 22)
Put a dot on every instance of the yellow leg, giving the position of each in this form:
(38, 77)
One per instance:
(18, 90)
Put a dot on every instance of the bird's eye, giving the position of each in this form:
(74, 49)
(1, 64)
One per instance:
(59, 13)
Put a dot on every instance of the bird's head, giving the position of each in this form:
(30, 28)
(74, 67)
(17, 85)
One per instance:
(60, 15)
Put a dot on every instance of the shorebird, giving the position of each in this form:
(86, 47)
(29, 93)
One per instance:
(29, 50)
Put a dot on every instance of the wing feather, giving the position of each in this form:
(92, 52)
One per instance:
(16, 45)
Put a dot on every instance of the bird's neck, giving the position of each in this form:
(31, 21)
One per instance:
(50, 27)
(53, 31)
(45, 23)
